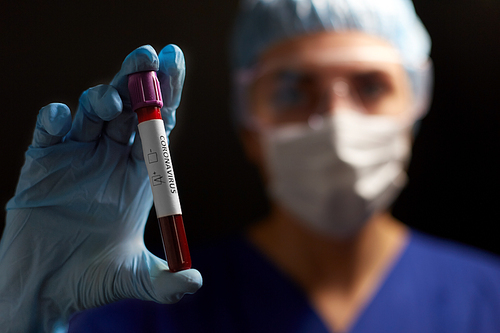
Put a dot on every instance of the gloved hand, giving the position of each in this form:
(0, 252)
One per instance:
(74, 232)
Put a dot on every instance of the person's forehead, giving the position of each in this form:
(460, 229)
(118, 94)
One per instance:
(341, 51)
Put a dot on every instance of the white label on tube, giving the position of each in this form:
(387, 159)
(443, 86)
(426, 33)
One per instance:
(159, 165)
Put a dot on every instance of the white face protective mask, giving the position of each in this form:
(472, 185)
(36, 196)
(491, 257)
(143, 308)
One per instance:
(335, 176)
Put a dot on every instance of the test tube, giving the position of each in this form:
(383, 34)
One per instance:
(146, 100)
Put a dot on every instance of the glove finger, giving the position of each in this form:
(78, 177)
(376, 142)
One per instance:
(122, 127)
(148, 278)
(52, 124)
(97, 105)
(171, 74)
(171, 287)
(141, 59)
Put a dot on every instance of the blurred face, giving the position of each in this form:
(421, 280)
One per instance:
(317, 74)
(332, 114)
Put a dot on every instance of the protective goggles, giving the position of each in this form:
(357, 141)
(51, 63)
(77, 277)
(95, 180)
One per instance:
(365, 79)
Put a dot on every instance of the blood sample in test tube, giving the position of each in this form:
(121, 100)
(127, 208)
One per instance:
(146, 100)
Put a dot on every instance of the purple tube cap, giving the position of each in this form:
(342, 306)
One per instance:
(144, 89)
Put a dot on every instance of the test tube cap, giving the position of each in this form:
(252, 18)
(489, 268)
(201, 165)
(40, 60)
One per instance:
(144, 89)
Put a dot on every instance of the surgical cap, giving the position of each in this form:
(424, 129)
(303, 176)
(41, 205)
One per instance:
(262, 23)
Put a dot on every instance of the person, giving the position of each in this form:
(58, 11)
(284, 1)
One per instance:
(327, 95)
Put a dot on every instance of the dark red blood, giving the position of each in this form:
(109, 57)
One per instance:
(175, 242)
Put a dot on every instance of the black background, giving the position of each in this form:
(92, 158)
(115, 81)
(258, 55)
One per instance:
(52, 51)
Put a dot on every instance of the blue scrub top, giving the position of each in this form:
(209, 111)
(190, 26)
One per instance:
(435, 286)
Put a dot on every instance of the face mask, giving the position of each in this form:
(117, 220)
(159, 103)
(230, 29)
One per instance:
(335, 176)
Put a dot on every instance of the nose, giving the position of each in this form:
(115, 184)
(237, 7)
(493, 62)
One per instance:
(338, 96)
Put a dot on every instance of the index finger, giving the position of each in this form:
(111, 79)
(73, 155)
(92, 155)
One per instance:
(142, 59)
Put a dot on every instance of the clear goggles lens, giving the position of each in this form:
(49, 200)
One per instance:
(370, 80)
(294, 95)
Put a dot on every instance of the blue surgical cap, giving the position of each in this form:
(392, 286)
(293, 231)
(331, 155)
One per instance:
(262, 23)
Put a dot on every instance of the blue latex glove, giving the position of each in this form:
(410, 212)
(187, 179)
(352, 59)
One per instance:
(74, 233)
